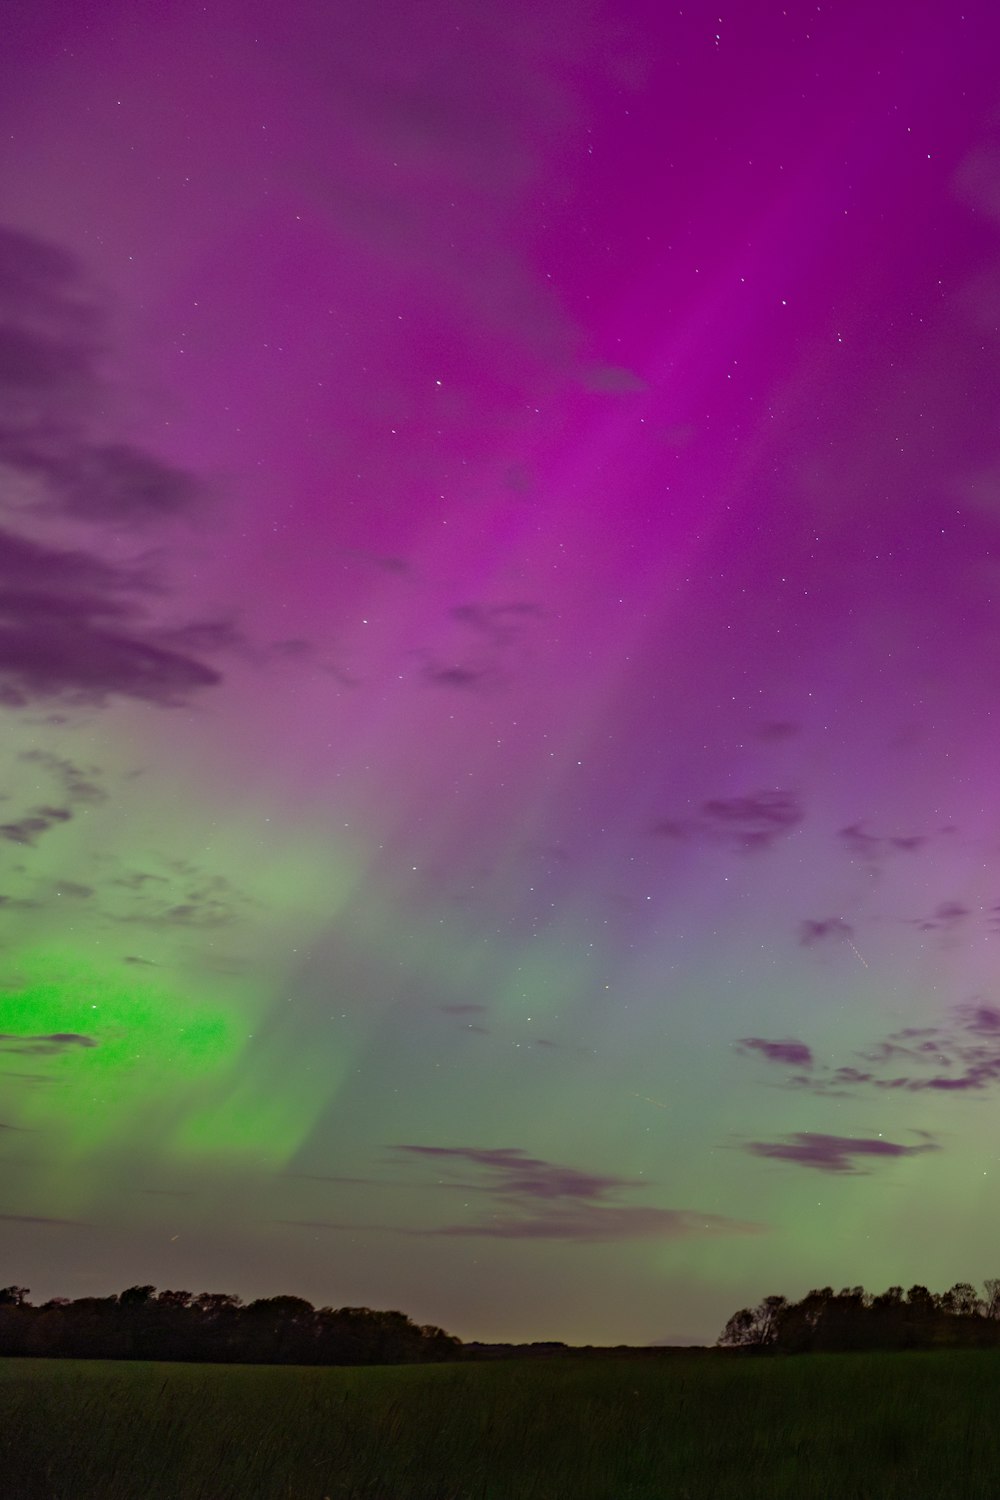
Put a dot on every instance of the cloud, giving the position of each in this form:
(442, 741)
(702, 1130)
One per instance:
(832, 1153)
(754, 821)
(538, 1199)
(982, 1020)
(595, 1223)
(79, 783)
(498, 630)
(961, 1056)
(76, 788)
(463, 1008)
(81, 644)
(525, 1176)
(181, 895)
(73, 624)
(946, 917)
(114, 481)
(53, 336)
(748, 823)
(477, 679)
(790, 1053)
(28, 829)
(815, 930)
(55, 1042)
(871, 849)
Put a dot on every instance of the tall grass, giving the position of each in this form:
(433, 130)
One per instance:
(840, 1427)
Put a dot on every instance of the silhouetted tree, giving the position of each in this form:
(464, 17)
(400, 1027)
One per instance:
(962, 1300)
(142, 1324)
(853, 1319)
(754, 1327)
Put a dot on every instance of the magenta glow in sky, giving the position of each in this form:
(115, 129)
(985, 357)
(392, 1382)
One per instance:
(498, 657)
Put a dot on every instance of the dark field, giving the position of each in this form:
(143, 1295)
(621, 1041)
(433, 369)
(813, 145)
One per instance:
(678, 1428)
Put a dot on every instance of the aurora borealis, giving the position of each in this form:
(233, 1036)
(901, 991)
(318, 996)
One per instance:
(500, 655)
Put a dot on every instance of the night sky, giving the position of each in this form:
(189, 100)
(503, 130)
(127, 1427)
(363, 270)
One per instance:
(500, 654)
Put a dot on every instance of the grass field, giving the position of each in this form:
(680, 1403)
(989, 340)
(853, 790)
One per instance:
(841, 1427)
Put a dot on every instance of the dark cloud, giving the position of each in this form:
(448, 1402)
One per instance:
(463, 1008)
(754, 821)
(76, 787)
(820, 929)
(673, 828)
(982, 1020)
(498, 631)
(832, 1153)
(516, 1173)
(53, 1043)
(946, 917)
(116, 482)
(538, 1199)
(73, 889)
(53, 336)
(749, 823)
(28, 829)
(871, 849)
(501, 624)
(133, 958)
(73, 624)
(185, 897)
(203, 635)
(79, 783)
(476, 679)
(86, 648)
(961, 1056)
(789, 1052)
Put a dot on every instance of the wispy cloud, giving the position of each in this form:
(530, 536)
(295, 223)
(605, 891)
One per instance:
(747, 823)
(788, 1051)
(50, 1044)
(73, 624)
(834, 1153)
(815, 930)
(487, 642)
(538, 1199)
(959, 1056)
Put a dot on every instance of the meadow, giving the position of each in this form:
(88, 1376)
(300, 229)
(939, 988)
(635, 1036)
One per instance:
(841, 1427)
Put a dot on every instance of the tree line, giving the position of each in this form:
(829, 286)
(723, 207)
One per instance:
(826, 1320)
(142, 1323)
